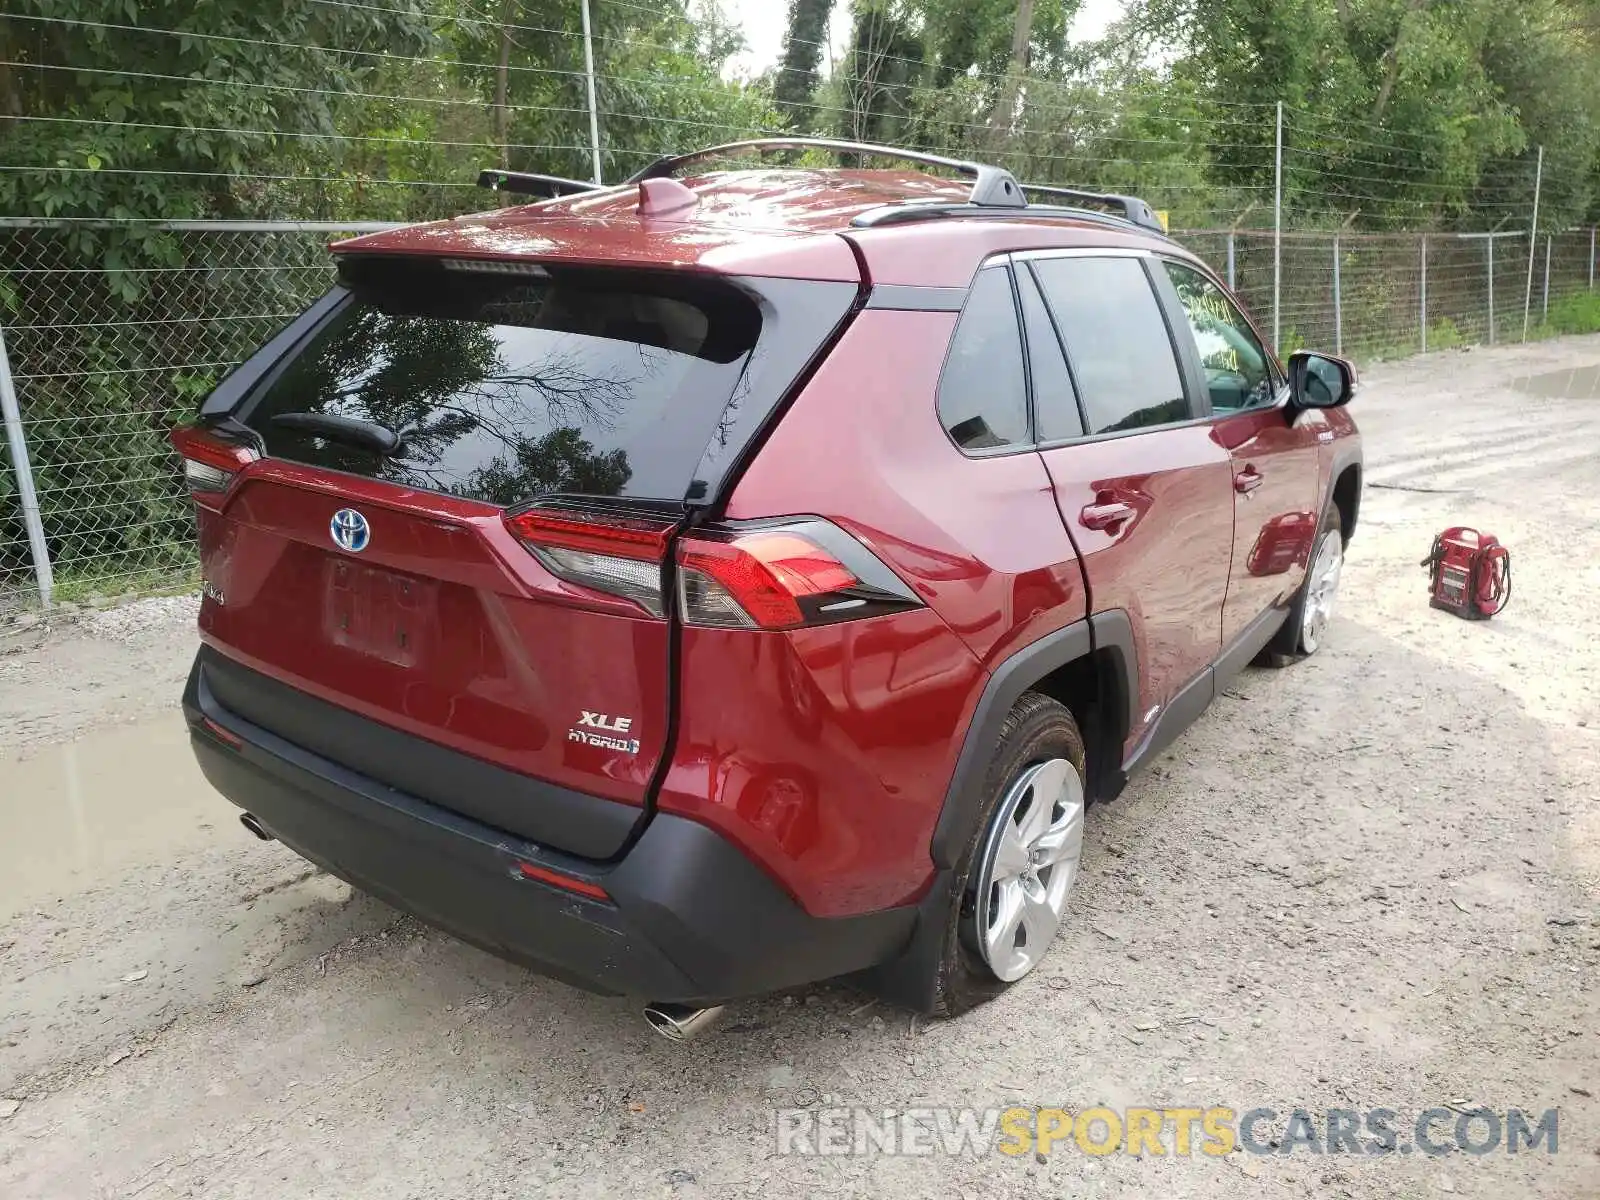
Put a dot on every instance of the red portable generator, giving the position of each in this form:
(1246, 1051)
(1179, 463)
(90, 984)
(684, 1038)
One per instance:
(1469, 573)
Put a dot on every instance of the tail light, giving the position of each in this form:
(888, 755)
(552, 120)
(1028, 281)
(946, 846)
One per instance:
(769, 575)
(618, 554)
(805, 572)
(209, 462)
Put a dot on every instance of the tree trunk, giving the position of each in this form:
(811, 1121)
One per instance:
(1005, 104)
(1391, 73)
(802, 51)
(502, 114)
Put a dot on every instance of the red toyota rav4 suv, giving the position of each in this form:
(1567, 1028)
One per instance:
(701, 587)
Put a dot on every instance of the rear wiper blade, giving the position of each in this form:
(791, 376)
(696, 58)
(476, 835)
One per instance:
(363, 435)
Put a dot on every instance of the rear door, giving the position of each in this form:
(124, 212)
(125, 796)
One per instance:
(1144, 489)
(1275, 462)
(492, 584)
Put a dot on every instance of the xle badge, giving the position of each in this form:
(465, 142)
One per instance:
(601, 731)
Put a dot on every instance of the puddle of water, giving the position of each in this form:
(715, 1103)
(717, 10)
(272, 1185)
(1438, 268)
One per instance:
(75, 814)
(1576, 383)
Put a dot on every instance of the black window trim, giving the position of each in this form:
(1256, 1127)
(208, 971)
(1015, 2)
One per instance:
(263, 383)
(719, 470)
(1066, 357)
(242, 388)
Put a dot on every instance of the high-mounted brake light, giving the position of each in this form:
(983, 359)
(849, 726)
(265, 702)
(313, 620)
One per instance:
(209, 462)
(609, 552)
(494, 266)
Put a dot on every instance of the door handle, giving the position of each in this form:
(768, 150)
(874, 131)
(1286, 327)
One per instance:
(1247, 481)
(1106, 516)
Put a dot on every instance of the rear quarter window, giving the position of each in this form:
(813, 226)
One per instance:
(983, 391)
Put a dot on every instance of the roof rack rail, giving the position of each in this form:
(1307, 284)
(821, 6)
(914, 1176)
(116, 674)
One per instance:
(521, 183)
(908, 214)
(992, 187)
(1130, 207)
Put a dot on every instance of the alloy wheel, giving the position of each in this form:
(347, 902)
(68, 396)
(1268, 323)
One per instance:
(1029, 863)
(1322, 589)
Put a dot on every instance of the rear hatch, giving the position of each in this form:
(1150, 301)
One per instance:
(441, 515)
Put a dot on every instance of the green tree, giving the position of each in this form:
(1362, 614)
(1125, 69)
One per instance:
(803, 43)
(172, 110)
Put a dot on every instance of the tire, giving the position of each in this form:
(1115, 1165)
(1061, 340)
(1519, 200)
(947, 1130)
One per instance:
(1305, 630)
(1039, 757)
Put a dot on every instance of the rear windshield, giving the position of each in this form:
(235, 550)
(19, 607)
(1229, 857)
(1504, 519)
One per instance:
(507, 387)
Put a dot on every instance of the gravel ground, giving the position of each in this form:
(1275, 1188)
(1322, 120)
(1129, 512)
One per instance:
(1369, 881)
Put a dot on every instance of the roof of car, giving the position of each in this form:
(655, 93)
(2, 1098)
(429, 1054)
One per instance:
(776, 221)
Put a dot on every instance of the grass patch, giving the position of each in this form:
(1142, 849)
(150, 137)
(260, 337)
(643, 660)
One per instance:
(81, 585)
(1575, 314)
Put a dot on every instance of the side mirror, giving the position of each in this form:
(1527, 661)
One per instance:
(1320, 380)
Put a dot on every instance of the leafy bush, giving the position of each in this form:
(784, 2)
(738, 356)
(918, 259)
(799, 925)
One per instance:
(1443, 334)
(1576, 314)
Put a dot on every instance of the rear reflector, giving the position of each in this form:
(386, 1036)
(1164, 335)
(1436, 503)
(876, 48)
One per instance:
(565, 882)
(222, 734)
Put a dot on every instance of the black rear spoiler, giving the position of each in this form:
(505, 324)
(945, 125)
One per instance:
(521, 183)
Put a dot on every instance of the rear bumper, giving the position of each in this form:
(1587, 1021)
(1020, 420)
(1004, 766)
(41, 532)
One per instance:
(690, 918)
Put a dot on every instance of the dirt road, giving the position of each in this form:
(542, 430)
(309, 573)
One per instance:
(1369, 881)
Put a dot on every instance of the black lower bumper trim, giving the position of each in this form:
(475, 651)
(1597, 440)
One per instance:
(692, 919)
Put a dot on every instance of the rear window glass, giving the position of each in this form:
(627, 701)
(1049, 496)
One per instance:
(508, 387)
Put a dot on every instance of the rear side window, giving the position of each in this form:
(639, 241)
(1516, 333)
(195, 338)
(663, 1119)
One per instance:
(1122, 355)
(983, 393)
(505, 388)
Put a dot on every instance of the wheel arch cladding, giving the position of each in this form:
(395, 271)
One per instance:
(1347, 497)
(1087, 666)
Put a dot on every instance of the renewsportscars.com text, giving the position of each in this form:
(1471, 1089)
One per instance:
(1179, 1131)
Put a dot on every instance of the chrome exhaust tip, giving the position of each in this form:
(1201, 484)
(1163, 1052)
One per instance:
(248, 820)
(680, 1022)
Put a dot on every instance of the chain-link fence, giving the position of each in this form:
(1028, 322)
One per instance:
(105, 360)
(1378, 295)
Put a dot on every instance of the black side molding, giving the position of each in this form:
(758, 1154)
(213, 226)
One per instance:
(1196, 696)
